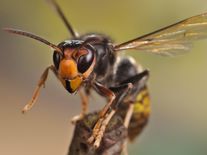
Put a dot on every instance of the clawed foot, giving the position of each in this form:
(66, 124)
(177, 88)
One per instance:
(99, 129)
(97, 134)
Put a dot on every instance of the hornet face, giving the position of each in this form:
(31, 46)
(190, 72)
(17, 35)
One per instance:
(75, 64)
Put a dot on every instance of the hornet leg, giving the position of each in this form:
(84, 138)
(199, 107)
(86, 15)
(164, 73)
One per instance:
(126, 124)
(106, 113)
(136, 81)
(84, 102)
(41, 83)
(128, 115)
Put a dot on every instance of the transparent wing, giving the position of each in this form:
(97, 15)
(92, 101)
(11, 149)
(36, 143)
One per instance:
(172, 39)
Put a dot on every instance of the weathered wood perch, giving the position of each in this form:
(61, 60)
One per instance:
(112, 142)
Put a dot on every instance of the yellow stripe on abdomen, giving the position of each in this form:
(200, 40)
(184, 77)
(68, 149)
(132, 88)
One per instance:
(140, 114)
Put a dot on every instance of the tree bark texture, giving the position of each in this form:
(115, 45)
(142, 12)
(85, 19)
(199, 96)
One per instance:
(111, 144)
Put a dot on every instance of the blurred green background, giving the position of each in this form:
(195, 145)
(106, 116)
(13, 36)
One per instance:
(177, 85)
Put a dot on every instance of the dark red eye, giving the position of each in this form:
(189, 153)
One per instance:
(85, 60)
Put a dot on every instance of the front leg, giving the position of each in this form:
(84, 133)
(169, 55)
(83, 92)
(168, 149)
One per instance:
(107, 112)
(103, 91)
(40, 84)
(84, 105)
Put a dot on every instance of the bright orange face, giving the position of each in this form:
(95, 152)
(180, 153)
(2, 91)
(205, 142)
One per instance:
(68, 69)
(74, 66)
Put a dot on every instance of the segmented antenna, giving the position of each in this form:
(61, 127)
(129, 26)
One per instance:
(66, 22)
(33, 36)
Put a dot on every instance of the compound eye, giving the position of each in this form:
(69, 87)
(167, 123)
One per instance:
(56, 59)
(85, 60)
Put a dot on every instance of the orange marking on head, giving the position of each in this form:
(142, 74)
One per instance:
(76, 83)
(68, 69)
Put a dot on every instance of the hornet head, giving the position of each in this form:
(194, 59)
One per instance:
(74, 64)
